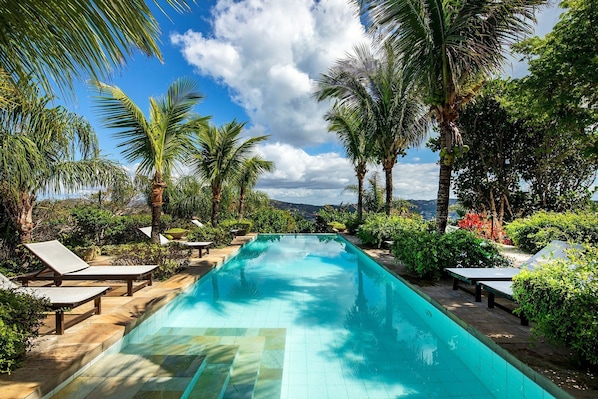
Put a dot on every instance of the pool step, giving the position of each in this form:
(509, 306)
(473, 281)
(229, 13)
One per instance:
(224, 363)
(214, 378)
(241, 380)
(257, 370)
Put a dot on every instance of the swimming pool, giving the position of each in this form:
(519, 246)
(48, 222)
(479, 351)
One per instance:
(302, 316)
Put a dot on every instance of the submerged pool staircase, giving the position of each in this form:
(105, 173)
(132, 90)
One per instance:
(223, 363)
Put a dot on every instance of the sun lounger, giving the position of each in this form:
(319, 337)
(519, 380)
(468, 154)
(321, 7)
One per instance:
(199, 245)
(503, 289)
(472, 275)
(62, 264)
(63, 298)
(197, 222)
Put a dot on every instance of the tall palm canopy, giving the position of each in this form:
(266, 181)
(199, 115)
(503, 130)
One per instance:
(219, 158)
(46, 149)
(248, 175)
(379, 89)
(450, 47)
(158, 143)
(349, 127)
(57, 41)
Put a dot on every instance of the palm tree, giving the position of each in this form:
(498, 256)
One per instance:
(47, 150)
(250, 171)
(348, 125)
(158, 143)
(392, 112)
(219, 157)
(450, 48)
(54, 42)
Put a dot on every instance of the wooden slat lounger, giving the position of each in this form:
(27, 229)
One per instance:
(64, 298)
(62, 264)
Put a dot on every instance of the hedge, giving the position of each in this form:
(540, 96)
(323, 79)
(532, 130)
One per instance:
(561, 299)
(535, 232)
(427, 254)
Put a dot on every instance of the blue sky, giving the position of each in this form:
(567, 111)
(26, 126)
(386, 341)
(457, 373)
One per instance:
(256, 61)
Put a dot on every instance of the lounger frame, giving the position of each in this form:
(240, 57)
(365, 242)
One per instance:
(501, 289)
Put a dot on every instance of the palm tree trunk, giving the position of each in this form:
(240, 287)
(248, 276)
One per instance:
(25, 217)
(388, 174)
(360, 178)
(156, 197)
(444, 182)
(241, 202)
(216, 197)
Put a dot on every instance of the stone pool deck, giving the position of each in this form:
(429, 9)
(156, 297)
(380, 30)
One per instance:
(55, 358)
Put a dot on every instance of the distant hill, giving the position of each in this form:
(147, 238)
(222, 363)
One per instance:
(426, 208)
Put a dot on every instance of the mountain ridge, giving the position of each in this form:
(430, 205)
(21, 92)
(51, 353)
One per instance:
(426, 208)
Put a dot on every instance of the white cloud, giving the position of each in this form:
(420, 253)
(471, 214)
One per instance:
(268, 54)
(321, 179)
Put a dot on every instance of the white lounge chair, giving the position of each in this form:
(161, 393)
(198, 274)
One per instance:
(472, 275)
(63, 298)
(197, 223)
(199, 245)
(62, 264)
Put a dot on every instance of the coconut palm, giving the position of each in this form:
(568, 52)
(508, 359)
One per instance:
(450, 48)
(219, 158)
(359, 147)
(55, 42)
(250, 171)
(46, 150)
(158, 143)
(391, 110)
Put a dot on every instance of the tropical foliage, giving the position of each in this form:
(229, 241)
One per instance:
(379, 228)
(51, 150)
(247, 178)
(535, 232)
(21, 316)
(220, 157)
(349, 127)
(560, 90)
(449, 49)
(559, 298)
(159, 142)
(377, 89)
(427, 254)
(51, 43)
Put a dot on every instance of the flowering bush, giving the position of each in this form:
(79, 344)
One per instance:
(483, 227)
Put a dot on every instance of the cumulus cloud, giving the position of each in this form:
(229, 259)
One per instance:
(268, 54)
(323, 178)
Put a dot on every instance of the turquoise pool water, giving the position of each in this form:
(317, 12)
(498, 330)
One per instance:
(340, 326)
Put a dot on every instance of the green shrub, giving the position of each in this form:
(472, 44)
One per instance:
(170, 258)
(270, 220)
(220, 235)
(535, 232)
(426, 253)
(340, 215)
(379, 228)
(561, 299)
(21, 316)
